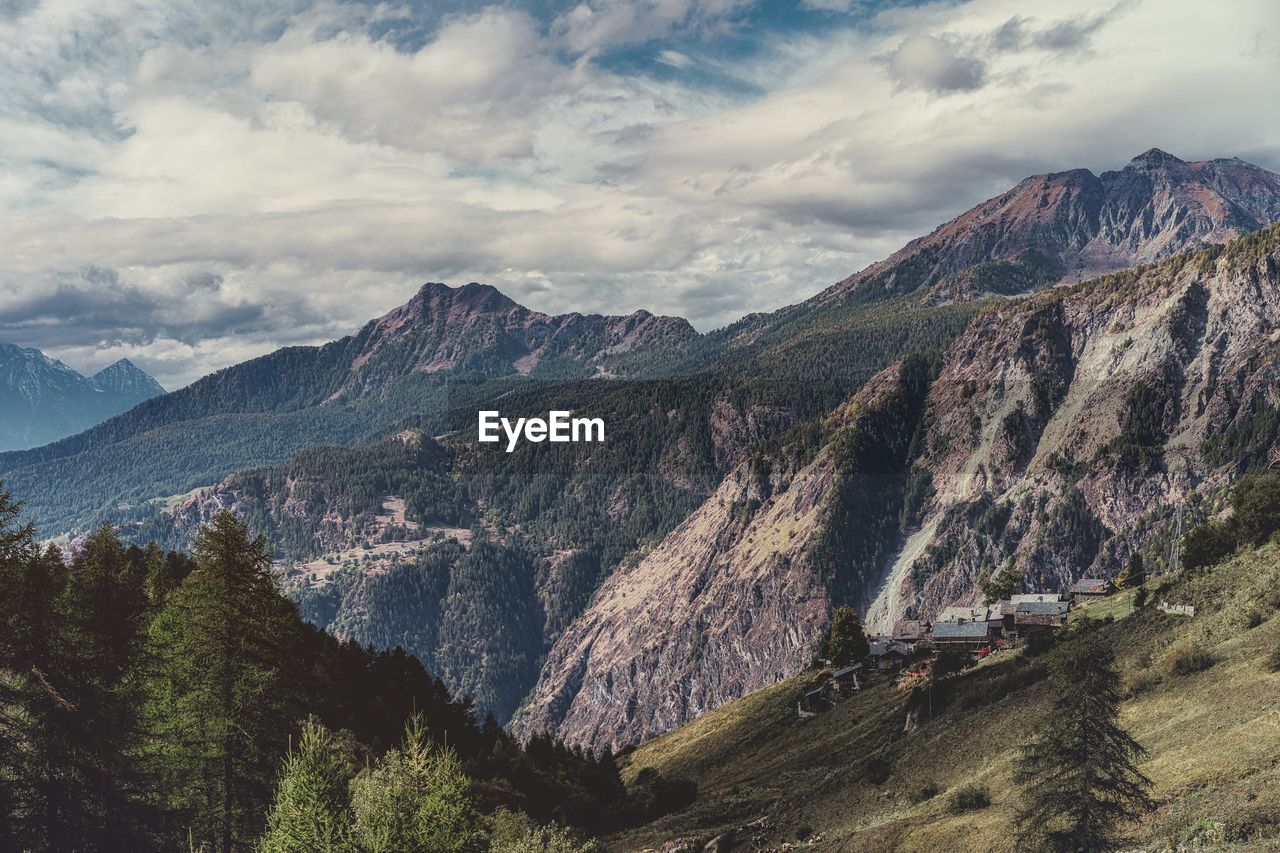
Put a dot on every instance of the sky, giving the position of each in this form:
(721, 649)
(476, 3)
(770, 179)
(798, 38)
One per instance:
(192, 183)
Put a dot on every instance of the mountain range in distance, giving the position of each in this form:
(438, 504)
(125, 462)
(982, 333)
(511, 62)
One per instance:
(42, 399)
(962, 410)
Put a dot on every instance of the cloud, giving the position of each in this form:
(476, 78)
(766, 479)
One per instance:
(596, 25)
(675, 59)
(190, 184)
(925, 62)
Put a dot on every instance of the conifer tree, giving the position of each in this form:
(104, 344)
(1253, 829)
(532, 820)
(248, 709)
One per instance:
(222, 697)
(312, 809)
(1080, 774)
(91, 793)
(32, 681)
(416, 800)
(1134, 574)
(846, 641)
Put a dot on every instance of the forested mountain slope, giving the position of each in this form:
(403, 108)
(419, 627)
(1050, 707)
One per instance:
(265, 410)
(41, 399)
(1060, 434)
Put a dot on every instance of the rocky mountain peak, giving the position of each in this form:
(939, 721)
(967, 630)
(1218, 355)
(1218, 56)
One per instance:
(1154, 158)
(126, 378)
(1067, 226)
(42, 399)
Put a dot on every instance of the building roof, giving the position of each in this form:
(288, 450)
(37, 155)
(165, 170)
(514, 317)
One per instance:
(960, 631)
(1051, 619)
(1091, 586)
(1041, 608)
(908, 629)
(888, 647)
(846, 670)
(969, 614)
(1023, 597)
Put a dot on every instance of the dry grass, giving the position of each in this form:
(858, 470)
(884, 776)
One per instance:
(1212, 738)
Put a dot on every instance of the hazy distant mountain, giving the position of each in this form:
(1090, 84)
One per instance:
(42, 400)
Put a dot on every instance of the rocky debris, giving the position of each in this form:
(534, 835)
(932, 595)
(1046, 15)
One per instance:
(727, 603)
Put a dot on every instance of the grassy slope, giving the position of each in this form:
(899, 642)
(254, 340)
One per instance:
(1213, 739)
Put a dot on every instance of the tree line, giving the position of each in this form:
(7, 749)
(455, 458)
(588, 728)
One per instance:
(162, 700)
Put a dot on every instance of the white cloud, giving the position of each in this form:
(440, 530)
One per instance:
(189, 184)
(924, 62)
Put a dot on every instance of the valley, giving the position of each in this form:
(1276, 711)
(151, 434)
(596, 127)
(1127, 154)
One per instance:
(966, 412)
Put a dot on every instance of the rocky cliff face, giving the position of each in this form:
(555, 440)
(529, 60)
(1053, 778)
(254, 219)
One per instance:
(732, 600)
(1058, 437)
(1073, 225)
(1065, 430)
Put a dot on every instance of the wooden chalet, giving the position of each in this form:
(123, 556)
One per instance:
(913, 632)
(1088, 589)
(845, 678)
(889, 656)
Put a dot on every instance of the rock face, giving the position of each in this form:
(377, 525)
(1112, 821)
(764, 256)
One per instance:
(729, 602)
(1065, 429)
(127, 383)
(1069, 226)
(1058, 437)
(42, 400)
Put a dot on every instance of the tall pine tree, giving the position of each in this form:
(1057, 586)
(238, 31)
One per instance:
(1080, 775)
(222, 697)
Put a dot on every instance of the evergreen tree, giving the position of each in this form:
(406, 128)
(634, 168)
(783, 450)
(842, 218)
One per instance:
(416, 800)
(846, 641)
(91, 796)
(1001, 584)
(1134, 574)
(33, 682)
(1080, 773)
(312, 809)
(222, 696)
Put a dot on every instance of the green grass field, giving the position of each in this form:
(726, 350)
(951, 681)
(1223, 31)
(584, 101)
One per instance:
(1212, 739)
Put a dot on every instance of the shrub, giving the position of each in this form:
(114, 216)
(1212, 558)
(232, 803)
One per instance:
(878, 771)
(1273, 662)
(1140, 598)
(1207, 545)
(1185, 659)
(1136, 681)
(923, 791)
(1252, 619)
(968, 799)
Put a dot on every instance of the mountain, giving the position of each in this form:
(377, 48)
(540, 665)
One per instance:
(1060, 434)
(761, 474)
(127, 382)
(412, 362)
(1068, 226)
(41, 399)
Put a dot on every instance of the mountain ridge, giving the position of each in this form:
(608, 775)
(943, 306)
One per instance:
(42, 399)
